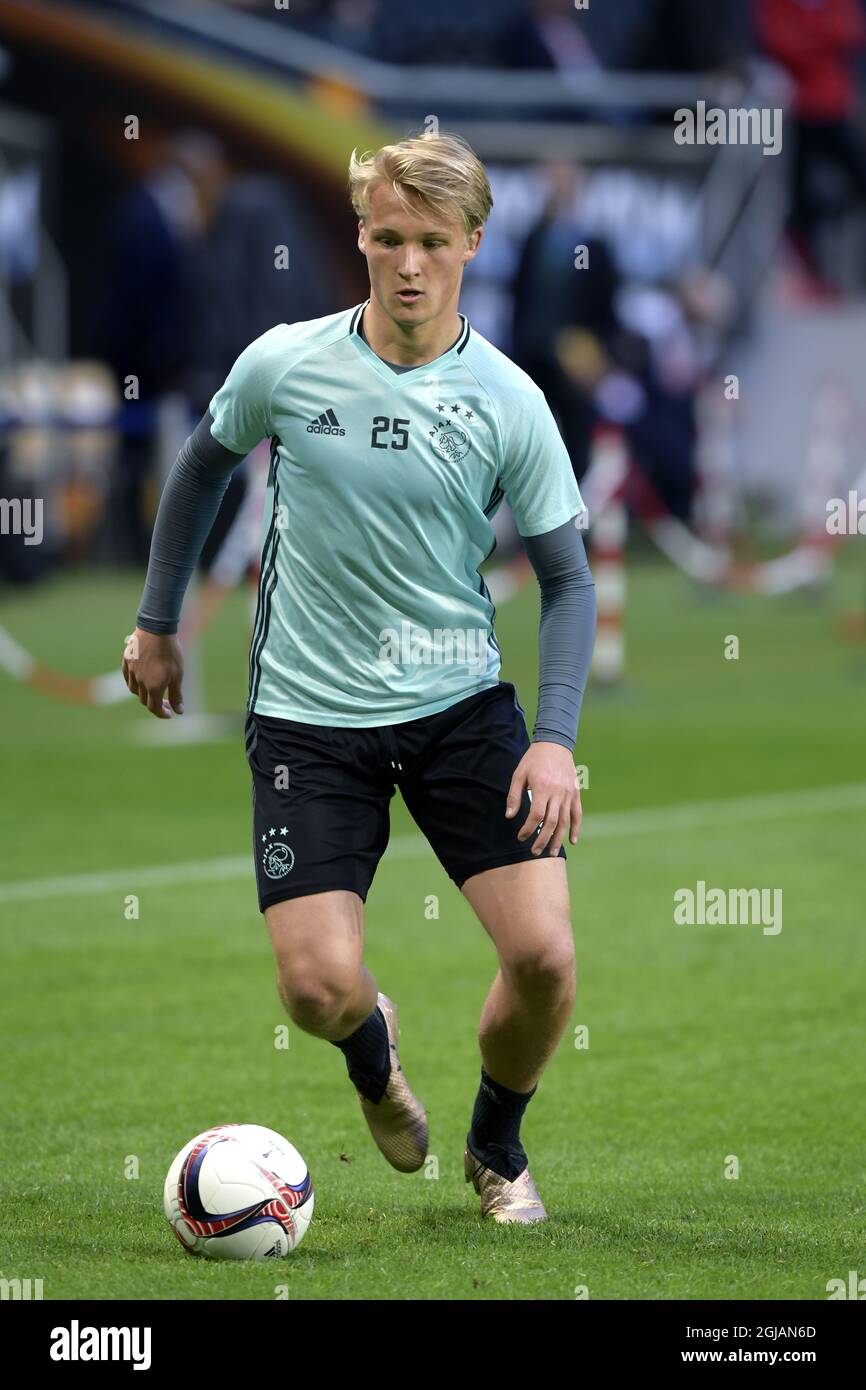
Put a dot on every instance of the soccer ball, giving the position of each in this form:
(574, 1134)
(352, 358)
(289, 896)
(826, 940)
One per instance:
(239, 1192)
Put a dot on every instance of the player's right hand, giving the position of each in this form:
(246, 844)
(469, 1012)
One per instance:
(153, 664)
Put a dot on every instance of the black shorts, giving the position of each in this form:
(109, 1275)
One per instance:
(321, 795)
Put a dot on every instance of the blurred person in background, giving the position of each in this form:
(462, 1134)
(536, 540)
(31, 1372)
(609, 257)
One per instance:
(670, 334)
(551, 294)
(144, 332)
(257, 261)
(551, 36)
(547, 35)
(682, 36)
(603, 349)
(197, 271)
(818, 42)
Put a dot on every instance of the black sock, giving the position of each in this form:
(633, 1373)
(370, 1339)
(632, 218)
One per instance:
(368, 1056)
(494, 1137)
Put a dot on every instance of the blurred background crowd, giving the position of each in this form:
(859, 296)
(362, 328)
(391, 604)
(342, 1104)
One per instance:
(153, 157)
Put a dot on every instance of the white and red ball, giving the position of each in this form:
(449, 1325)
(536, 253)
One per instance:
(239, 1192)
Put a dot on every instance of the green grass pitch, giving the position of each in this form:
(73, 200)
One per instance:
(121, 1039)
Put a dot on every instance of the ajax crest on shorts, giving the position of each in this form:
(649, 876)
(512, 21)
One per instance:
(277, 859)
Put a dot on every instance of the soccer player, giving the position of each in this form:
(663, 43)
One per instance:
(396, 430)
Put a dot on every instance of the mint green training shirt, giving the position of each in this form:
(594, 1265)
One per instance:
(381, 490)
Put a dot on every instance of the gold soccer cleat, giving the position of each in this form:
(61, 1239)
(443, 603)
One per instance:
(398, 1122)
(503, 1200)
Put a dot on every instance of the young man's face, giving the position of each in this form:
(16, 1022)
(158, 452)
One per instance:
(415, 259)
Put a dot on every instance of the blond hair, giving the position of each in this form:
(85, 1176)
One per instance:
(441, 171)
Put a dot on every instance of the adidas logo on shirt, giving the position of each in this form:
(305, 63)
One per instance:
(326, 423)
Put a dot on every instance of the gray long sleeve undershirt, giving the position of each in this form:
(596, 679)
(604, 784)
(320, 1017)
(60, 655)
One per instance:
(566, 632)
(191, 499)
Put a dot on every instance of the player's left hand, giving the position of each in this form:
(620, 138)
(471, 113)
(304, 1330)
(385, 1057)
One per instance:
(548, 772)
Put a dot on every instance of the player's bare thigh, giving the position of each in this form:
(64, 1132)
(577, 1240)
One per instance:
(526, 912)
(318, 943)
